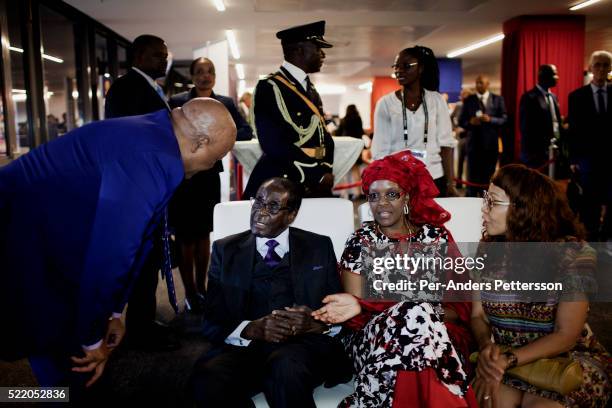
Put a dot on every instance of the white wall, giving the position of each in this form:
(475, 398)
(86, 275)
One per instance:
(336, 104)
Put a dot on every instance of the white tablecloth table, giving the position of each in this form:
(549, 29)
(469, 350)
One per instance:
(346, 151)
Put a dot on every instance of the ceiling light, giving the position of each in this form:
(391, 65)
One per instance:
(475, 46)
(584, 4)
(106, 75)
(219, 5)
(233, 44)
(45, 56)
(240, 71)
(366, 86)
(19, 91)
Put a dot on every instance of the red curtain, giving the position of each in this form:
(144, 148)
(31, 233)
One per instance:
(380, 87)
(531, 41)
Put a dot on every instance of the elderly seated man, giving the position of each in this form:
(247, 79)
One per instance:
(262, 287)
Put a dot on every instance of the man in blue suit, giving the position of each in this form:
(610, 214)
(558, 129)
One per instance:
(483, 116)
(78, 215)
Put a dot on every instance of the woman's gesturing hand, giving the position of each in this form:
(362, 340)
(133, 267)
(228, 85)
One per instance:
(338, 308)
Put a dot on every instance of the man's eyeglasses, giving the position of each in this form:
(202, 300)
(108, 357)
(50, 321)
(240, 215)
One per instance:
(488, 202)
(389, 196)
(405, 66)
(272, 208)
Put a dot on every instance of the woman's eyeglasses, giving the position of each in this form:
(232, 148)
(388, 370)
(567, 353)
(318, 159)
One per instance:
(389, 196)
(272, 208)
(405, 66)
(488, 202)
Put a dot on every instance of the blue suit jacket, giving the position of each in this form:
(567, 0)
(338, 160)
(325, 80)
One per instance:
(483, 137)
(78, 215)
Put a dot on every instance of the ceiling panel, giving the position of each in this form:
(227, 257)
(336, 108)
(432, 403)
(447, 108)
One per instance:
(365, 5)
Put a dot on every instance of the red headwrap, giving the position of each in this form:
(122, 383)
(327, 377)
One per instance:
(413, 177)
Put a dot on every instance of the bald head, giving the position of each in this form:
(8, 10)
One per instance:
(482, 84)
(547, 76)
(205, 131)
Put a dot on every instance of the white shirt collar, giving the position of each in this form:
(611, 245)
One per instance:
(595, 88)
(147, 77)
(484, 96)
(281, 249)
(298, 73)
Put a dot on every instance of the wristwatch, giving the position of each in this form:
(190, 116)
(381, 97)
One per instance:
(512, 359)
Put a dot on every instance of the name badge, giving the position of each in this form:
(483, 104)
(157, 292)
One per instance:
(319, 152)
(420, 154)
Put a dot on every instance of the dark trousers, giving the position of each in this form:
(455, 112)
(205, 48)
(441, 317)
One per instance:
(287, 373)
(481, 166)
(142, 304)
(441, 183)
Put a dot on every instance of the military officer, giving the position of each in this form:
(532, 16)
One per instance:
(288, 117)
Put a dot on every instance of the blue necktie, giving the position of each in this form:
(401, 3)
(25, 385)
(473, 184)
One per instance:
(167, 264)
(160, 92)
(601, 104)
(272, 259)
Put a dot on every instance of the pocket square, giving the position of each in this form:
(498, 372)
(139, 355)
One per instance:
(317, 267)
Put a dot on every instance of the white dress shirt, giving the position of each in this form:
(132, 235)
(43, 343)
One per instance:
(484, 98)
(389, 129)
(298, 73)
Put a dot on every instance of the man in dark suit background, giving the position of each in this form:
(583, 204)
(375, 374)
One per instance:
(262, 286)
(288, 117)
(540, 119)
(590, 127)
(137, 93)
(483, 116)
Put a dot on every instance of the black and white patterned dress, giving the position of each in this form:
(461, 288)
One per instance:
(406, 336)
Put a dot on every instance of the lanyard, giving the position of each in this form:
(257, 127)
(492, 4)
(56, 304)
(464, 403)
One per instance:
(425, 112)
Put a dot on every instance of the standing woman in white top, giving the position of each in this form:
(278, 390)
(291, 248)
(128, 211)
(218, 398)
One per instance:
(416, 117)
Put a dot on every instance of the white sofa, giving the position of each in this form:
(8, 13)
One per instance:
(334, 217)
(327, 216)
(466, 218)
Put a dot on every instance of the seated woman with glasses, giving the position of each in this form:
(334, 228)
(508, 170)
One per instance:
(416, 117)
(523, 207)
(399, 349)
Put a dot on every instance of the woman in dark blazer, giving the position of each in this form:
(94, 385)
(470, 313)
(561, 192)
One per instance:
(191, 208)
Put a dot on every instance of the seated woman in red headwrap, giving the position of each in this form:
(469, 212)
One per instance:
(400, 349)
